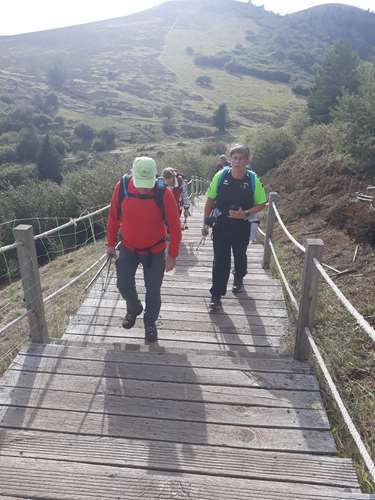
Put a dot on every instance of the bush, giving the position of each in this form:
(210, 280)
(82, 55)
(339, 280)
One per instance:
(270, 147)
(320, 136)
(84, 132)
(7, 155)
(56, 76)
(214, 148)
(204, 81)
(28, 147)
(50, 162)
(12, 176)
(297, 123)
(107, 136)
(189, 51)
(169, 127)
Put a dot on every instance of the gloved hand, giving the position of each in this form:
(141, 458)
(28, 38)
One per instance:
(205, 230)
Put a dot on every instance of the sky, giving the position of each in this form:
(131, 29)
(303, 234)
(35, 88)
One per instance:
(23, 16)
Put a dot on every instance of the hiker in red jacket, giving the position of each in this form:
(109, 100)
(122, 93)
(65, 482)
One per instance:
(140, 208)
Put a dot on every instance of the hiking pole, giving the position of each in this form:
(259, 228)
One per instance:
(109, 258)
(107, 277)
(201, 243)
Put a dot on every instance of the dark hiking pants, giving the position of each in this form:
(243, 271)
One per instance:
(229, 236)
(153, 272)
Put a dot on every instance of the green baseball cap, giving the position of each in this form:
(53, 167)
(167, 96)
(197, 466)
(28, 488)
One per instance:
(144, 172)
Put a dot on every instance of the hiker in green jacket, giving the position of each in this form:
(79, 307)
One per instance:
(234, 196)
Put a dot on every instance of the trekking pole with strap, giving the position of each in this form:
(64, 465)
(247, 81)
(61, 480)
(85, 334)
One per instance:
(201, 243)
(108, 260)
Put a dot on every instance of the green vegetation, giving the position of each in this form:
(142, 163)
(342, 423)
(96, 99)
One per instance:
(337, 74)
(221, 118)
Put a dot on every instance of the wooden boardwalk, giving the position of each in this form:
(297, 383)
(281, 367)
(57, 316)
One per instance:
(213, 411)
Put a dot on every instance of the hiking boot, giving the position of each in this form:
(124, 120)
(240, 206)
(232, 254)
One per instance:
(130, 318)
(151, 332)
(215, 304)
(237, 285)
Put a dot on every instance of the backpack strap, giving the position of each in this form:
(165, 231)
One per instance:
(123, 193)
(224, 174)
(251, 177)
(158, 195)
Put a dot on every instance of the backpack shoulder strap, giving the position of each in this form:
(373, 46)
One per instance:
(251, 176)
(123, 193)
(159, 191)
(224, 174)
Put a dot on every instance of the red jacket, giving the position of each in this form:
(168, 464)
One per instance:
(141, 224)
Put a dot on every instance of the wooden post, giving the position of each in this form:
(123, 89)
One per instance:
(269, 230)
(314, 249)
(28, 264)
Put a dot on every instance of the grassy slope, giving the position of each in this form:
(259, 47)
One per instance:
(147, 54)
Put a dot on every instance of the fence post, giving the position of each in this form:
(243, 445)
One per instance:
(269, 230)
(314, 249)
(28, 263)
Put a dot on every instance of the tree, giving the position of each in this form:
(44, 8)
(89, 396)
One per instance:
(50, 162)
(107, 137)
(28, 147)
(221, 118)
(56, 76)
(337, 73)
(84, 132)
(270, 147)
(204, 81)
(355, 118)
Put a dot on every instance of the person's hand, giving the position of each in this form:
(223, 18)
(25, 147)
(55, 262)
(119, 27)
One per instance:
(205, 231)
(111, 251)
(186, 213)
(170, 263)
(237, 214)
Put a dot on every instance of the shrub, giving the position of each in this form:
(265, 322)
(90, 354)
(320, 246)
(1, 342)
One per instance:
(189, 51)
(28, 147)
(297, 123)
(12, 176)
(56, 76)
(50, 162)
(84, 132)
(169, 127)
(167, 111)
(270, 147)
(214, 148)
(204, 81)
(107, 136)
(320, 136)
(221, 119)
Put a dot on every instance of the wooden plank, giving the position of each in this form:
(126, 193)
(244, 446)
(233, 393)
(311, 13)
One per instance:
(212, 376)
(200, 306)
(171, 287)
(192, 296)
(235, 415)
(151, 428)
(231, 361)
(199, 338)
(255, 326)
(246, 396)
(72, 481)
(271, 339)
(223, 319)
(205, 278)
(174, 344)
(247, 464)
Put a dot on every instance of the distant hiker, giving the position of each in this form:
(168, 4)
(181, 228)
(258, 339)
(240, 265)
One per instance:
(223, 162)
(140, 208)
(177, 184)
(236, 194)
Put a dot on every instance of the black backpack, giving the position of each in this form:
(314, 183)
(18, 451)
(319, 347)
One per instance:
(158, 195)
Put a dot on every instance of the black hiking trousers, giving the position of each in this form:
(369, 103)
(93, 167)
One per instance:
(229, 236)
